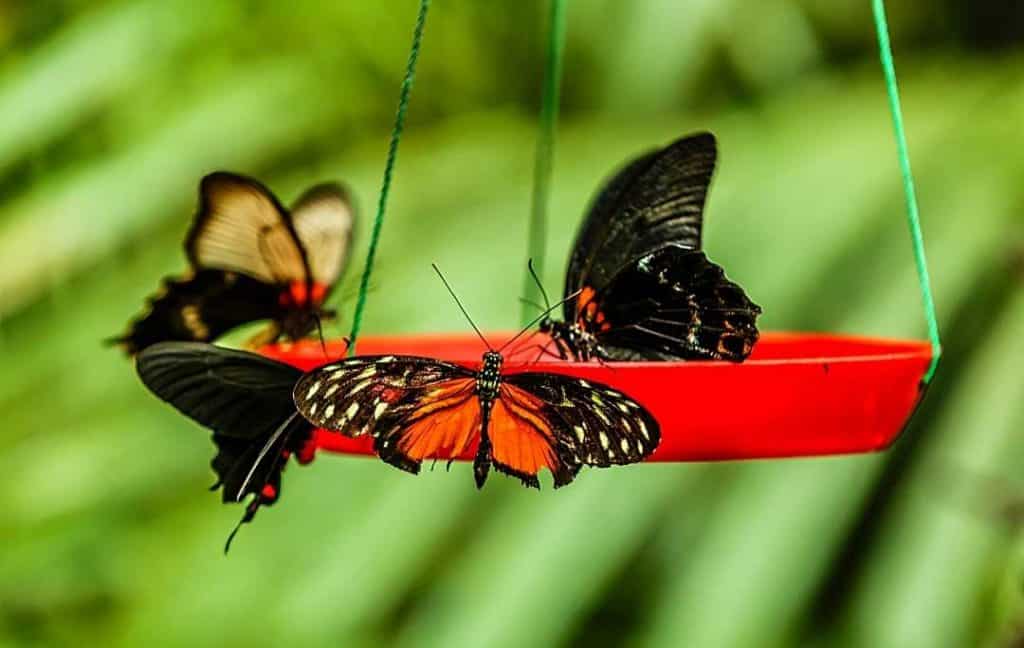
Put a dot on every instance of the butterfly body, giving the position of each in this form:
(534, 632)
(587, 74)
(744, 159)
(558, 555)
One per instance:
(419, 409)
(251, 259)
(638, 286)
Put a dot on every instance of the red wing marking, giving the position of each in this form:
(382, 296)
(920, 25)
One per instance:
(297, 296)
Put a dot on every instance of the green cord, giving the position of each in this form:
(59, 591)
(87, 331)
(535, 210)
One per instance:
(396, 136)
(913, 219)
(545, 153)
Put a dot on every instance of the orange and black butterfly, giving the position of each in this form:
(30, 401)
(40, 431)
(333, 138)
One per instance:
(420, 408)
(251, 259)
(644, 289)
(246, 401)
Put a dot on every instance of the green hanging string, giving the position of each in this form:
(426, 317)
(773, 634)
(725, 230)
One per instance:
(913, 219)
(544, 155)
(389, 166)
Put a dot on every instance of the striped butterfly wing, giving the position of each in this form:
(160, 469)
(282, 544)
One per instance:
(588, 424)
(415, 408)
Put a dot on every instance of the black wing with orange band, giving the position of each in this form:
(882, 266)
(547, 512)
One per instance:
(430, 404)
(418, 409)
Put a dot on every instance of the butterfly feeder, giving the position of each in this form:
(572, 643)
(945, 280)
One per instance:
(797, 394)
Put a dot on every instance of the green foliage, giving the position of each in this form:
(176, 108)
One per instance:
(111, 112)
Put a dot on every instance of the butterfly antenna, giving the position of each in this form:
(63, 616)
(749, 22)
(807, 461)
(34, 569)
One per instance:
(530, 302)
(547, 311)
(536, 279)
(461, 307)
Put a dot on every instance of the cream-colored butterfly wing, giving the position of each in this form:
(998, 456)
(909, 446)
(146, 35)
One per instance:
(241, 227)
(323, 219)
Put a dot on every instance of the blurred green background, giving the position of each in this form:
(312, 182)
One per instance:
(111, 111)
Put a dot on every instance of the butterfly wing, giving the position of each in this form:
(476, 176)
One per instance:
(672, 303)
(243, 398)
(415, 408)
(564, 423)
(241, 227)
(201, 308)
(323, 218)
(655, 199)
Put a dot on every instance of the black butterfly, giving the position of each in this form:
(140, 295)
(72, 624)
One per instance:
(420, 408)
(251, 259)
(645, 290)
(246, 400)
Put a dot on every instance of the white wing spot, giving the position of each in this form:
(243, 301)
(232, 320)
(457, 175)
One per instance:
(314, 388)
(387, 359)
(584, 384)
(611, 453)
(360, 387)
(352, 409)
(604, 440)
(625, 446)
(580, 432)
(312, 409)
(601, 415)
(622, 407)
(639, 447)
(330, 391)
(329, 411)
(381, 407)
(643, 429)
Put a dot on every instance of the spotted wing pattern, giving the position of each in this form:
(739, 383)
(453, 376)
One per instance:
(590, 424)
(371, 394)
(672, 303)
(244, 399)
(657, 198)
(419, 408)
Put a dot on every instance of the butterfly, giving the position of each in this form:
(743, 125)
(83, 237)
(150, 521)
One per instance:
(644, 288)
(418, 408)
(251, 259)
(245, 399)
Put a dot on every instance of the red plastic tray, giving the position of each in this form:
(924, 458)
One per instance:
(798, 394)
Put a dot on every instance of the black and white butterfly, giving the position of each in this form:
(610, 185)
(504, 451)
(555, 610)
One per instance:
(251, 259)
(644, 289)
(245, 399)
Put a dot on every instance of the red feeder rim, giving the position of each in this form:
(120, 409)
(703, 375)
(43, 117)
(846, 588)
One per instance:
(799, 394)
